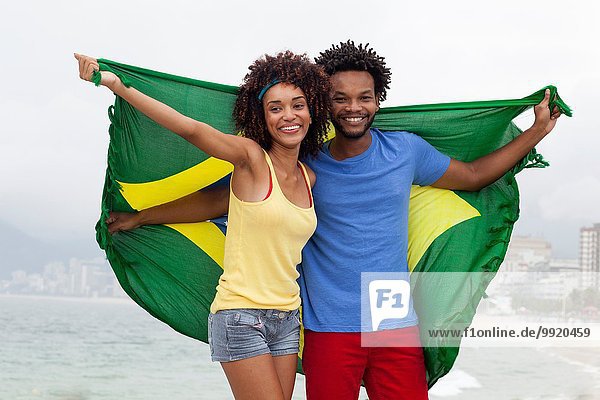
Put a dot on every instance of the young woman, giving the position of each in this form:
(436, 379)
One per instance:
(282, 110)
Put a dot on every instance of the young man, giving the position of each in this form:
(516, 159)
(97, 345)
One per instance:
(361, 199)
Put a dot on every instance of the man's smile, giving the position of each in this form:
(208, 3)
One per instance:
(354, 119)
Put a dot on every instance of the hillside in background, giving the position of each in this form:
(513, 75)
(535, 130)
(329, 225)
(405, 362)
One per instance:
(20, 251)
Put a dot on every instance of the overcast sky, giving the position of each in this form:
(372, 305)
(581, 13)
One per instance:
(54, 136)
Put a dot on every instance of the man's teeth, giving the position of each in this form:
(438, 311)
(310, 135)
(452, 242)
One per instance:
(354, 119)
(290, 128)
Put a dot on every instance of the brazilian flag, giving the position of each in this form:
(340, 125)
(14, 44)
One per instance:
(172, 270)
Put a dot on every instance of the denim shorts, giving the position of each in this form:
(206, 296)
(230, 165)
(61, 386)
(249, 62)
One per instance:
(248, 332)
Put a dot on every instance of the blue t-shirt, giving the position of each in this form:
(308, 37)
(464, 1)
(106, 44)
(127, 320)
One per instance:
(362, 225)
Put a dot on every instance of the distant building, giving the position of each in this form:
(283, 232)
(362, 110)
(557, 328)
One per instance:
(525, 252)
(19, 276)
(564, 265)
(82, 278)
(91, 278)
(55, 279)
(529, 265)
(557, 278)
(589, 254)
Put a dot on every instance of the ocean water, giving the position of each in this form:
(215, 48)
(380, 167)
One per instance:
(522, 374)
(79, 350)
(84, 349)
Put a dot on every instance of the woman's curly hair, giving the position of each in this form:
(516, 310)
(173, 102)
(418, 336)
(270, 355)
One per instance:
(285, 67)
(349, 57)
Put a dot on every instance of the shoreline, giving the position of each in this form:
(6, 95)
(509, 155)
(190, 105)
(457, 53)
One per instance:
(588, 358)
(107, 300)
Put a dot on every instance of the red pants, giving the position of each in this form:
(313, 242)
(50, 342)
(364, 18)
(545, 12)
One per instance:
(335, 364)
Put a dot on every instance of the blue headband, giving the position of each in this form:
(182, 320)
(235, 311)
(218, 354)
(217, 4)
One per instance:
(267, 87)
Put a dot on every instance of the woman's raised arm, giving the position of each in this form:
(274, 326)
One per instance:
(235, 149)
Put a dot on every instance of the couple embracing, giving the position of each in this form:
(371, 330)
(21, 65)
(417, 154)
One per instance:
(285, 180)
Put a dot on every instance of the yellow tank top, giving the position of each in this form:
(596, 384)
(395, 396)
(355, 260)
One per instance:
(262, 248)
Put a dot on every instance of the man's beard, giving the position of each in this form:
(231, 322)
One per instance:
(352, 135)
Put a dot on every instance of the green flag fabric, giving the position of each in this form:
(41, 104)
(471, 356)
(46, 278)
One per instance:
(172, 270)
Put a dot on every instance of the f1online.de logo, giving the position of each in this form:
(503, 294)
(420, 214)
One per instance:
(387, 298)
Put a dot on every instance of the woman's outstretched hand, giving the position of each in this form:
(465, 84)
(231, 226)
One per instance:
(89, 65)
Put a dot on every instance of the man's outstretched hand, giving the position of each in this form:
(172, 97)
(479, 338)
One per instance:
(544, 119)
